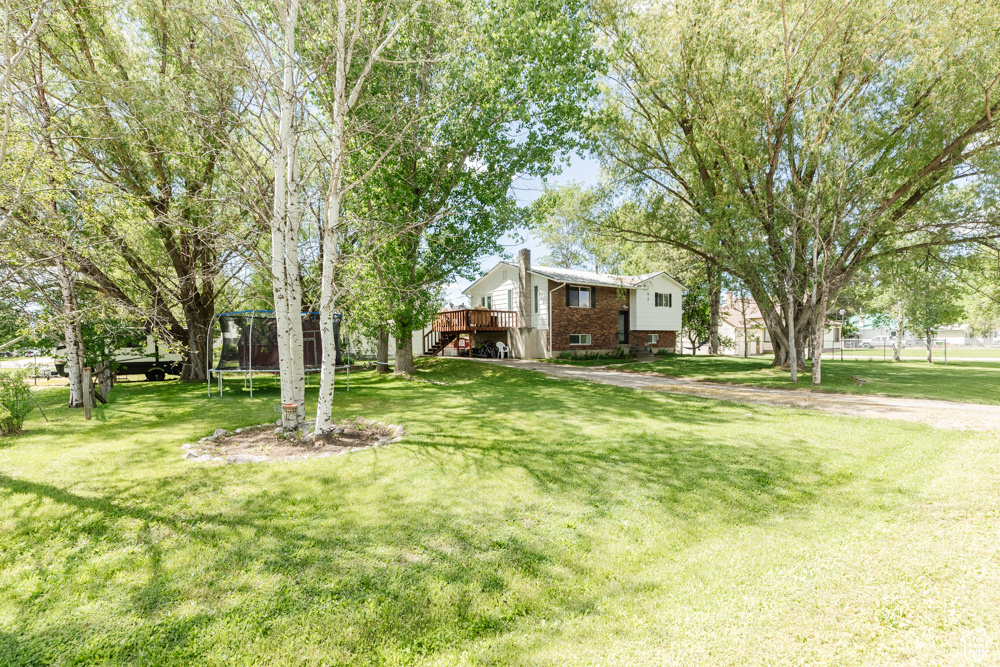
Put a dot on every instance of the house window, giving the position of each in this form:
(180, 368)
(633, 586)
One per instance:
(652, 339)
(489, 302)
(767, 336)
(482, 301)
(662, 300)
(536, 298)
(579, 339)
(836, 334)
(579, 297)
(510, 299)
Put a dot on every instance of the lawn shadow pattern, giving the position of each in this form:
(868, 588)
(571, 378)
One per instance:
(408, 551)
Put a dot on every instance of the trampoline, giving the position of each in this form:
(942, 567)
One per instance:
(246, 343)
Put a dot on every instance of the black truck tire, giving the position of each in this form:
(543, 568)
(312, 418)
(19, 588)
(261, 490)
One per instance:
(156, 375)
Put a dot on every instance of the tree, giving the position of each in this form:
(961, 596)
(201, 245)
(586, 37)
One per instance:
(564, 225)
(497, 94)
(916, 291)
(934, 301)
(696, 318)
(362, 37)
(285, 223)
(146, 109)
(791, 144)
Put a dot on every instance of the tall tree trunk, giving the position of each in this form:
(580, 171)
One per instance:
(818, 334)
(327, 318)
(331, 228)
(285, 279)
(714, 306)
(198, 320)
(898, 345)
(71, 333)
(404, 351)
(382, 352)
(927, 335)
(793, 361)
(778, 333)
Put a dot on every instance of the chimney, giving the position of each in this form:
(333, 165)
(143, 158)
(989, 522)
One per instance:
(524, 289)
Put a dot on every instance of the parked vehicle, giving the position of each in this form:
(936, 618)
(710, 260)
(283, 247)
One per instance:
(143, 356)
(882, 341)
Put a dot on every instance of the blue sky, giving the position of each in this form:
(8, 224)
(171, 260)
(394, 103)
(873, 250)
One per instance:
(580, 169)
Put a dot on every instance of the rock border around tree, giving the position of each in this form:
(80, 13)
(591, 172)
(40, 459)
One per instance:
(270, 442)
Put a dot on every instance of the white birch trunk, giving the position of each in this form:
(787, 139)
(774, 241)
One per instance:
(343, 102)
(295, 349)
(285, 279)
(71, 332)
(331, 231)
(327, 314)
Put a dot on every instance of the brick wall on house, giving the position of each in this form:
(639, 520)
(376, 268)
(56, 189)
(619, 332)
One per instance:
(600, 322)
(668, 339)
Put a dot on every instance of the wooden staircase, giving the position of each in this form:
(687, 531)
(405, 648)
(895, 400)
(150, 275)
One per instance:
(436, 341)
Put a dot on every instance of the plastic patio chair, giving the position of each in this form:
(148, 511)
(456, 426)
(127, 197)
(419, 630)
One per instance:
(503, 350)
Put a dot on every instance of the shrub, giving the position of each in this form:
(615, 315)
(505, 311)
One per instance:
(15, 402)
(617, 353)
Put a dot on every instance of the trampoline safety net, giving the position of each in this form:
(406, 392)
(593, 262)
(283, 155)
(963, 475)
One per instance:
(249, 341)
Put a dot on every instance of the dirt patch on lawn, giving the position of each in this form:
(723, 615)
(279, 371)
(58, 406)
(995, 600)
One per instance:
(268, 442)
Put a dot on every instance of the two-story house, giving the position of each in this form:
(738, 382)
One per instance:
(543, 311)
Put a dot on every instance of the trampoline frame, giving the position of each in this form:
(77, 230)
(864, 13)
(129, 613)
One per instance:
(248, 373)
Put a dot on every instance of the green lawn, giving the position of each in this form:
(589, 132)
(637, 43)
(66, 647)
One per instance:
(523, 521)
(971, 381)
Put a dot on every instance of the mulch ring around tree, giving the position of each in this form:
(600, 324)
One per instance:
(268, 443)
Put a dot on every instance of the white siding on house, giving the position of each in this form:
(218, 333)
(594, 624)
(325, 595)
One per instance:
(505, 296)
(649, 316)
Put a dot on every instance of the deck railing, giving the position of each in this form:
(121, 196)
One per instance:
(475, 320)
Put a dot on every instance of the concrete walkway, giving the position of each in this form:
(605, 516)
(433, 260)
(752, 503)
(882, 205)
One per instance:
(939, 414)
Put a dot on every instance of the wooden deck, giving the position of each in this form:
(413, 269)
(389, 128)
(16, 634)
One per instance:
(451, 324)
(468, 321)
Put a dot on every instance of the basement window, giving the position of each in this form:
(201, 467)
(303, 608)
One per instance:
(579, 339)
(652, 339)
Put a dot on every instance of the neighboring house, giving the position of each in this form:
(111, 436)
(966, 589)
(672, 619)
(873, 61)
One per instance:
(731, 326)
(543, 311)
(953, 334)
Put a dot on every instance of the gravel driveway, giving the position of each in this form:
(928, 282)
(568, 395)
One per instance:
(939, 414)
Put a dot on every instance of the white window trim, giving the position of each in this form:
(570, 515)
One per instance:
(652, 339)
(581, 336)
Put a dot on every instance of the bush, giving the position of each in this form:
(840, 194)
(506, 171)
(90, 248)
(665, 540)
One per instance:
(15, 402)
(617, 353)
